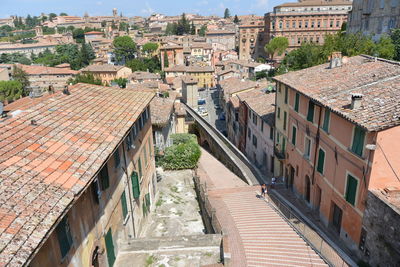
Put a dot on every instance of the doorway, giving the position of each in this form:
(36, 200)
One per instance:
(337, 218)
(308, 189)
(291, 177)
(318, 198)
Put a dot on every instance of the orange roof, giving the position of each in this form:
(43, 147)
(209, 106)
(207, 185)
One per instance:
(42, 70)
(44, 167)
(98, 33)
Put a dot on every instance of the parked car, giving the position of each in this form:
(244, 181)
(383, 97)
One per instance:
(201, 102)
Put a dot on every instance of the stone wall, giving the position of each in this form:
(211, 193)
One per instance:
(382, 226)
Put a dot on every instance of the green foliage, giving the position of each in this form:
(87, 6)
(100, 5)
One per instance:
(180, 28)
(277, 45)
(166, 62)
(69, 53)
(52, 16)
(306, 56)
(79, 35)
(143, 64)
(124, 48)
(22, 77)
(14, 58)
(85, 78)
(171, 29)
(183, 154)
(385, 48)
(123, 26)
(192, 29)
(11, 90)
(227, 13)
(149, 48)
(121, 82)
(63, 14)
(236, 19)
(261, 75)
(395, 36)
(202, 31)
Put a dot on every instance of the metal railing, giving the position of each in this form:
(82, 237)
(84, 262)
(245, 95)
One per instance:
(333, 256)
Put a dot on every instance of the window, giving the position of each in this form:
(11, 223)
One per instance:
(124, 205)
(117, 159)
(254, 141)
(337, 23)
(294, 24)
(306, 24)
(249, 114)
(287, 24)
(104, 179)
(331, 23)
(278, 137)
(254, 118)
(286, 94)
(262, 126)
(312, 24)
(271, 133)
(351, 189)
(321, 161)
(135, 184)
(64, 236)
(296, 102)
(310, 113)
(284, 120)
(283, 144)
(128, 141)
(327, 115)
(358, 141)
(294, 135)
(140, 168)
(248, 133)
(318, 24)
(307, 148)
(300, 22)
(145, 156)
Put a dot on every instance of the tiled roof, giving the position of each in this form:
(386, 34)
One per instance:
(183, 68)
(189, 79)
(144, 75)
(263, 104)
(234, 85)
(316, 3)
(160, 110)
(44, 167)
(378, 81)
(103, 68)
(43, 70)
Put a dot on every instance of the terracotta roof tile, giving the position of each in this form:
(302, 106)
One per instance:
(161, 110)
(44, 167)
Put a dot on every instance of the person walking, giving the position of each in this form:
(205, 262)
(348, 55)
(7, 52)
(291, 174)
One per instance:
(263, 190)
(273, 181)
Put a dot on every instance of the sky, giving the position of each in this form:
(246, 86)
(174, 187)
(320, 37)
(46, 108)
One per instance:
(136, 7)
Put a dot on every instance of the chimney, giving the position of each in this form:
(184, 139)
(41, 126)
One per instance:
(356, 100)
(336, 60)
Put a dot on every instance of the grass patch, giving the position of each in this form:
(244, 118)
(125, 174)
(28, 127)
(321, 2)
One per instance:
(208, 254)
(159, 202)
(150, 260)
(174, 189)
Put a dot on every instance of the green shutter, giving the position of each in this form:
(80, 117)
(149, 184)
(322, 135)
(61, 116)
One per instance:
(140, 167)
(294, 133)
(321, 160)
(64, 237)
(296, 102)
(104, 179)
(135, 185)
(284, 120)
(110, 248)
(124, 205)
(310, 114)
(271, 132)
(283, 144)
(358, 141)
(144, 208)
(351, 190)
(148, 203)
(327, 115)
(286, 95)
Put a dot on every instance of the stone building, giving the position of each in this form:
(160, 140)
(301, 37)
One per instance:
(27, 49)
(190, 94)
(107, 73)
(305, 21)
(85, 178)
(203, 74)
(223, 37)
(374, 17)
(252, 40)
(334, 140)
(174, 54)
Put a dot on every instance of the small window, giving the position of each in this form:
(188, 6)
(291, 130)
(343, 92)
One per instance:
(254, 118)
(262, 126)
(296, 102)
(104, 178)
(294, 135)
(279, 113)
(327, 115)
(321, 161)
(254, 141)
(307, 148)
(124, 205)
(135, 184)
(64, 236)
(271, 133)
(351, 189)
(248, 133)
(284, 120)
(310, 113)
(358, 141)
(286, 95)
(117, 159)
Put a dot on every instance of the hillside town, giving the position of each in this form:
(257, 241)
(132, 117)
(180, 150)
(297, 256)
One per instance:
(202, 140)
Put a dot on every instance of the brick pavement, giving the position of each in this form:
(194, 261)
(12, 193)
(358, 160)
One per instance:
(257, 234)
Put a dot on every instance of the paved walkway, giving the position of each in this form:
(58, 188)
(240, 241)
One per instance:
(257, 234)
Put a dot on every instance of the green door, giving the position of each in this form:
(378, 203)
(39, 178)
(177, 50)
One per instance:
(110, 248)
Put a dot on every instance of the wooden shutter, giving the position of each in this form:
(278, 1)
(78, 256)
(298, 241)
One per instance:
(64, 237)
(310, 114)
(296, 102)
(124, 205)
(294, 133)
(351, 190)
(104, 179)
(140, 167)
(327, 115)
(110, 248)
(321, 160)
(358, 141)
(286, 94)
(135, 185)
(284, 120)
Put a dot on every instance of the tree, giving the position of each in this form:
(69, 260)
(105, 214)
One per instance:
(121, 82)
(149, 48)
(385, 48)
(277, 45)
(236, 19)
(166, 62)
(183, 26)
(63, 14)
(306, 56)
(86, 54)
(52, 16)
(79, 35)
(124, 48)
(227, 13)
(123, 26)
(202, 31)
(85, 78)
(395, 36)
(22, 77)
(136, 65)
(192, 29)
(171, 29)
(11, 90)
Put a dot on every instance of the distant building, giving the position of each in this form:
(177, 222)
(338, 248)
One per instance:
(373, 17)
(335, 144)
(143, 77)
(305, 21)
(174, 53)
(27, 49)
(252, 40)
(85, 180)
(89, 36)
(4, 73)
(190, 92)
(224, 37)
(204, 75)
(108, 73)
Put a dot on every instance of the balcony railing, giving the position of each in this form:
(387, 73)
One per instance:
(279, 153)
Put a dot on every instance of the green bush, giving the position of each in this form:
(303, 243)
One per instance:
(183, 154)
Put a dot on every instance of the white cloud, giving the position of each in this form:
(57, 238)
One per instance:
(202, 3)
(148, 9)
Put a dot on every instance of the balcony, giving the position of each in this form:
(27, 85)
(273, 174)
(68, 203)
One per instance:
(279, 154)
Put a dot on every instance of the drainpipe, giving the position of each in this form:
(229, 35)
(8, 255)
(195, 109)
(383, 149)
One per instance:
(316, 145)
(129, 191)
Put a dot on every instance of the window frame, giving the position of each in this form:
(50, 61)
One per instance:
(294, 135)
(323, 164)
(346, 188)
(326, 125)
(307, 155)
(296, 105)
(352, 149)
(309, 114)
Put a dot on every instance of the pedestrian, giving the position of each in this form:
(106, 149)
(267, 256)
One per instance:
(263, 190)
(273, 181)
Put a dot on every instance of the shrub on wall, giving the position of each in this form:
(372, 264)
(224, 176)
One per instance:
(183, 154)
